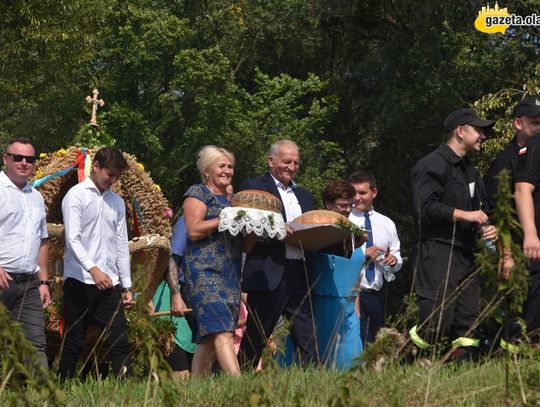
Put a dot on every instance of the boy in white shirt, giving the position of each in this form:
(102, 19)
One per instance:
(383, 244)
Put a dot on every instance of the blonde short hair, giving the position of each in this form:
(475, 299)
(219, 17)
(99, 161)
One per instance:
(208, 154)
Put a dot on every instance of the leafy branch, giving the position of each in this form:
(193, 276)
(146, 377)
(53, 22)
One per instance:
(239, 215)
(491, 265)
(355, 230)
(19, 367)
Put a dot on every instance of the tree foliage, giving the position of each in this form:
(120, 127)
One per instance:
(355, 83)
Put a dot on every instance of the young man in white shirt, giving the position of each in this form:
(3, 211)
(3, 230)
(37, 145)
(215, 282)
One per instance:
(97, 276)
(383, 242)
(23, 245)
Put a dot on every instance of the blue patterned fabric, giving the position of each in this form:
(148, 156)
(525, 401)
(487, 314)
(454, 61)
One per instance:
(212, 269)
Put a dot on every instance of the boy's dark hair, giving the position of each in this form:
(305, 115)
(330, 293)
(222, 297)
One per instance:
(22, 140)
(111, 157)
(337, 189)
(361, 176)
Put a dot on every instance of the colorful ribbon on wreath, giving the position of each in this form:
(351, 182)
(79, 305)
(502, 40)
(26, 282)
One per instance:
(81, 162)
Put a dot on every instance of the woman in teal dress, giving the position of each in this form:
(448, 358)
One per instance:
(180, 358)
(212, 263)
(335, 274)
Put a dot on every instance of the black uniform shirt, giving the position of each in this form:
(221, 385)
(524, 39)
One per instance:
(443, 181)
(506, 159)
(528, 170)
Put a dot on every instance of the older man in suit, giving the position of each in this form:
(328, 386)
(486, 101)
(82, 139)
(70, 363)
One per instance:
(275, 275)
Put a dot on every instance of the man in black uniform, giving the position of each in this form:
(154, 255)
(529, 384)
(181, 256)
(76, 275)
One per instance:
(448, 193)
(527, 196)
(526, 120)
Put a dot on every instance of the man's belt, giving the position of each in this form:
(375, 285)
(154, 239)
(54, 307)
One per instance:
(23, 277)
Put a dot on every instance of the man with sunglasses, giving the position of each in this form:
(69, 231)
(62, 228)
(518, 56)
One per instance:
(381, 250)
(23, 246)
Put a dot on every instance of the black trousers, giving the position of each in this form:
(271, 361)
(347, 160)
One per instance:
(371, 314)
(531, 307)
(289, 299)
(531, 310)
(180, 359)
(448, 292)
(23, 301)
(84, 303)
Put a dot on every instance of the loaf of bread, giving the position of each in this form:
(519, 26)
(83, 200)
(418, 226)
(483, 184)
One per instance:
(254, 198)
(321, 217)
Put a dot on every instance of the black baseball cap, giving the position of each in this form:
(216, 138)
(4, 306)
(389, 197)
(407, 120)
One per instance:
(529, 106)
(463, 116)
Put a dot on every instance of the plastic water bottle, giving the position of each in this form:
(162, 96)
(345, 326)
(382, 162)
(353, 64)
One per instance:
(490, 244)
(388, 271)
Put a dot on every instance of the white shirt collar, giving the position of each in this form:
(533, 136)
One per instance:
(88, 183)
(361, 213)
(279, 184)
(7, 182)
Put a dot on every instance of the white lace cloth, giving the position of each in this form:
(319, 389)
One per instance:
(262, 223)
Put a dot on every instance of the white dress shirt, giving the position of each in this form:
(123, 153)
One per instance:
(96, 234)
(22, 226)
(292, 211)
(384, 235)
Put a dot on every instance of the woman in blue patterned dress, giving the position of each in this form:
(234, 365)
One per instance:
(212, 263)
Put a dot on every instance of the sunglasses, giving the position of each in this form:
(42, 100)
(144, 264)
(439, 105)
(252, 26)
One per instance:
(30, 159)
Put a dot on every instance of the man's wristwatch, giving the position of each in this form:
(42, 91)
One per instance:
(44, 282)
(126, 289)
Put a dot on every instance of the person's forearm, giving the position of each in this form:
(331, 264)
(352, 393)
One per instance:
(122, 252)
(197, 226)
(204, 228)
(399, 260)
(395, 250)
(43, 260)
(477, 216)
(525, 210)
(460, 215)
(172, 277)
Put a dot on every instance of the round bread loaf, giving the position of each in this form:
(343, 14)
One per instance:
(254, 198)
(321, 217)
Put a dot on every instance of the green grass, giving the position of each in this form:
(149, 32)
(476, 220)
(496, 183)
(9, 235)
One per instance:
(410, 385)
